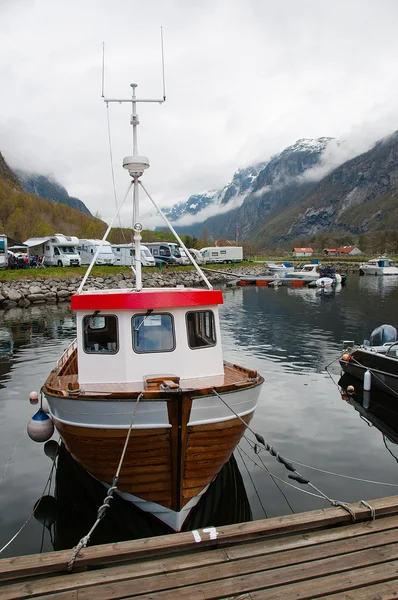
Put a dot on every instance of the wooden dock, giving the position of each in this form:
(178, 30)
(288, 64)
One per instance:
(317, 554)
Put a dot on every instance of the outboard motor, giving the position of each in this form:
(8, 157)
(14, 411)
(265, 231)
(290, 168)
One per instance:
(384, 334)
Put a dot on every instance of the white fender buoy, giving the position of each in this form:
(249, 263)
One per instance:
(366, 399)
(44, 405)
(33, 397)
(367, 381)
(40, 427)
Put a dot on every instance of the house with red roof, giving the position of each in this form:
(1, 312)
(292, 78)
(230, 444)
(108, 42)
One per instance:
(302, 252)
(330, 251)
(348, 250)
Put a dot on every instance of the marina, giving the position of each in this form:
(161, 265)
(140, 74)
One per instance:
(290, 336)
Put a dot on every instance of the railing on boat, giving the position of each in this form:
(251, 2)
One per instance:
(66, 356)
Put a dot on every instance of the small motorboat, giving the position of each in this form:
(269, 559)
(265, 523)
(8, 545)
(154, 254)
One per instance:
(378, 356)
(378, 266)
(280, 269)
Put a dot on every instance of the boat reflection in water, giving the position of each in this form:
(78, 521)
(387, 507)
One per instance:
(79, 496)
(376, 407)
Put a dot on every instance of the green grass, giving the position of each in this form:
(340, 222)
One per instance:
(97, 271)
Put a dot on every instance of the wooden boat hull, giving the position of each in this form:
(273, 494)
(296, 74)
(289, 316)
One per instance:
(178, 443)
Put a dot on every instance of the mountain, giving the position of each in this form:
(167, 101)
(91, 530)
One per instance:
(236, 191)
(6, 174)
(258, 191)
(49, 189)
(24, 215)
(285, 203)
(358, 197)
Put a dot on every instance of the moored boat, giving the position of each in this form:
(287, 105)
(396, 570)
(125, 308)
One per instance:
(280, 269)
(143, 399)
(378, 356)
(378, 266)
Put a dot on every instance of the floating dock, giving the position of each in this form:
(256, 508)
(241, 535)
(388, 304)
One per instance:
(317, 554)
(270, 280)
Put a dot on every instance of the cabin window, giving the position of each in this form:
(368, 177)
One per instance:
(153, 333)
(201, 329)
(164, 251)
(100, 334)
(223, 251)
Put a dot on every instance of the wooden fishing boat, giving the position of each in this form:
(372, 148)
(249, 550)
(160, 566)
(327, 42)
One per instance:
(144, 386)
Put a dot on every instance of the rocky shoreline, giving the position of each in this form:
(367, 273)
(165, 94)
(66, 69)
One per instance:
(27, 292)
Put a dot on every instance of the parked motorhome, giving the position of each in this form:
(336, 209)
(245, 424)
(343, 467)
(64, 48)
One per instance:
(166, 252)
(87, 249)
(222, 254)
(58, 250)
(3, 251)
(125, 255)
(197, 256)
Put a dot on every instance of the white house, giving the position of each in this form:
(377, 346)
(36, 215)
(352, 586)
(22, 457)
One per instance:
(302, 252)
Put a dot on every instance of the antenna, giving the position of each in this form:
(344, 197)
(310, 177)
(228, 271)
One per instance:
(103, 68)
(164, 81)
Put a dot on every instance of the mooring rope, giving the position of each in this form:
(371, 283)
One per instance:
(294, 474)
(252, 482)
(109, 496)
(49, 479)
(12, 456)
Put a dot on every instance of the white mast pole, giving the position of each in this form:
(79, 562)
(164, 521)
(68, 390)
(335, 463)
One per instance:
(136, 205)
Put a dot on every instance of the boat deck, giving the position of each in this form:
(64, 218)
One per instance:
(317, 554)
(234, 376)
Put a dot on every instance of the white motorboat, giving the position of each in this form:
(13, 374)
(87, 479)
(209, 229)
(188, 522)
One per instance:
(310, 272)
(378, 266)
(280, 269)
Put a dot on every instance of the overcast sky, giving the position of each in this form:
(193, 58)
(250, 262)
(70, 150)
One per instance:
(244, 79)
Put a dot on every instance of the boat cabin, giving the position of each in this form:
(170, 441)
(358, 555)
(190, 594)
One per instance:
(128, 335)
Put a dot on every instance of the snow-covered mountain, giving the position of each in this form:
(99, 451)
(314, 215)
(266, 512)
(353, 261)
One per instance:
(236, 190)
(248, 183)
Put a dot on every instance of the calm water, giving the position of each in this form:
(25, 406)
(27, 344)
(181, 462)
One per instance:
(288, 335)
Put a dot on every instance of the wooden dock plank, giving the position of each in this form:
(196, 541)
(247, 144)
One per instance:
(23, 566)
(260, 587)
(349, 584)
(119, 581)
(312, 555)
(217, 580)
(388, 590)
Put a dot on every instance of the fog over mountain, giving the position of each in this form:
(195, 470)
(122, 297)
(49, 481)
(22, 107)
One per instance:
(307, 188)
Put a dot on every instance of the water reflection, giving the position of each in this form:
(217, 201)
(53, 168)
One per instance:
(378, 285)
(376, 408)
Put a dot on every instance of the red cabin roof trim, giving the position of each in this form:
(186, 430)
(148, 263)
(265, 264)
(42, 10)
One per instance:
(132, 300)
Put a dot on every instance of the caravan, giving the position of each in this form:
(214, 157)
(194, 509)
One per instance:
(222, 254)
(87, 249)
(165, 252)
(125, 255)
(55, 251)
(3, 251)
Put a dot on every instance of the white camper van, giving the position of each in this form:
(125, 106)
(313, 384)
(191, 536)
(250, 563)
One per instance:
(87, 249)
(3, 251)
(56, 251)
(165, 252)
(222, 254)
(125, 255)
